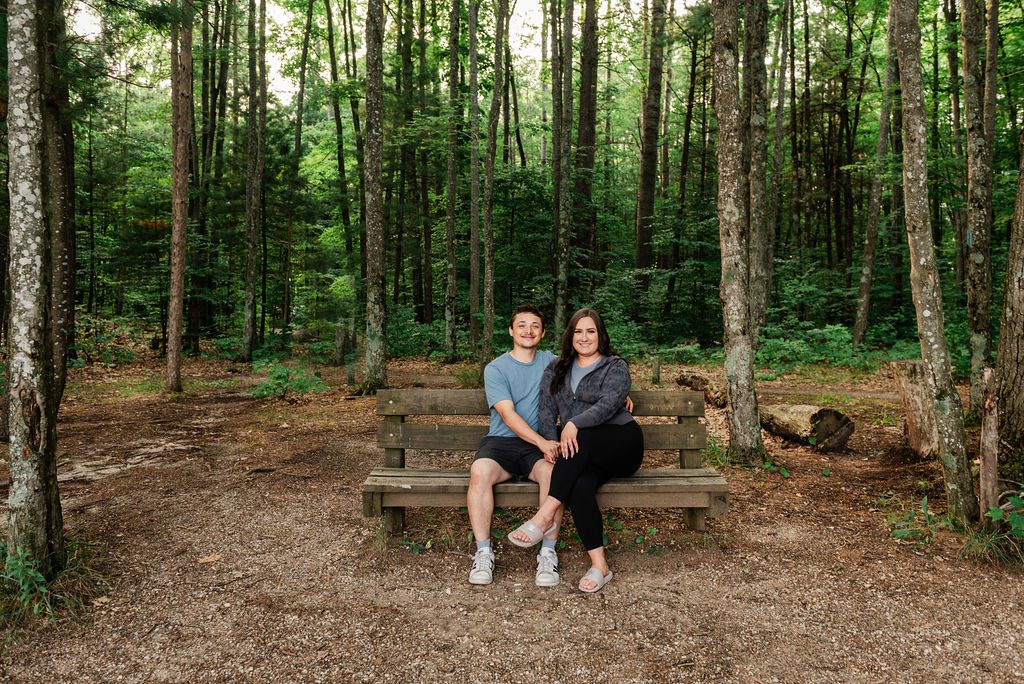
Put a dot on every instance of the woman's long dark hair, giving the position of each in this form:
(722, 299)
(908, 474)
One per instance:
(568, 355)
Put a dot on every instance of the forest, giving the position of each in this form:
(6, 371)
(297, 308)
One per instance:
(751, 186)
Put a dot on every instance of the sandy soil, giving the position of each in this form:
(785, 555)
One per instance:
(231, 540)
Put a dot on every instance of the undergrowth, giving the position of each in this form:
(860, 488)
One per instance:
(26, 595)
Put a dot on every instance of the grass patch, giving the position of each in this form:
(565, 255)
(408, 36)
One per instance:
(26, 595)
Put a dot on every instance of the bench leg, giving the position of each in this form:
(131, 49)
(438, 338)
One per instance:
(695, 518)
(394, 520)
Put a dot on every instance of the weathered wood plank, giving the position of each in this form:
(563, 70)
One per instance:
(394, 454)
(528, 499)
(690, 436)
(443, 486)
(643, 473)
(434, 402)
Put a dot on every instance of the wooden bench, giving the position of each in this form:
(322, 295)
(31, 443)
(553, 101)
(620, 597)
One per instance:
(389, 490)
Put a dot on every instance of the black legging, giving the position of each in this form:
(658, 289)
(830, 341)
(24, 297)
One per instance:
(606, 451)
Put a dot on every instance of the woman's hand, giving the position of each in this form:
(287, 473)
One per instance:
(569, 444)
(549, 448)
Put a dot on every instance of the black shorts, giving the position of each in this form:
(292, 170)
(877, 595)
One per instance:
(511, 453)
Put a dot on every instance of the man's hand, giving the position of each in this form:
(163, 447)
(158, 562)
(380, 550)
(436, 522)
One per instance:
(569, 445)
(549, 448)
(629, 404)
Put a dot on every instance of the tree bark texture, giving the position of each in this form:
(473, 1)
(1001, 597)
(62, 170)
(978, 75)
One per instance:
(744, 422)
(979, 195)
(376, 344)
(1010, 356)
(989, 456)
(585, 211)
(867, 269)
(924, 275)
(35, 529)
(501, 11)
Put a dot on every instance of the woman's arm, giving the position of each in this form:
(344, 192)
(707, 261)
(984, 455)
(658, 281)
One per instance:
(614, 389)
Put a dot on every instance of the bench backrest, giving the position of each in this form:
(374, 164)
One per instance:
(687, 435)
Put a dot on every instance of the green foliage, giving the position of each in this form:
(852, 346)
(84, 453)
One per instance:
(106, 340)
(283, 380)
(714, 453)
(917, 526)
(1003, 539)
(772, 467)
(470, 376)
(26, 594)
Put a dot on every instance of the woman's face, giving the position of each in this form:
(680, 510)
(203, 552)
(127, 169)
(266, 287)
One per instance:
(584, 337)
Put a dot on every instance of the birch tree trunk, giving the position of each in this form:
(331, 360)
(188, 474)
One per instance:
(1010, 357)
(924, 276)
(744, 421)
(979, 195)
(181, 132)
(501, 10)
(35, 527)
(780, 117)
(867, 271)
(376, 343)
(451, 292)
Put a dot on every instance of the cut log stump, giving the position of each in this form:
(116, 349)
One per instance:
(823, 428)
(919, 426)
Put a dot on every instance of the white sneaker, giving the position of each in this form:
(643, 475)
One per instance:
(482, 571)
(547, 568)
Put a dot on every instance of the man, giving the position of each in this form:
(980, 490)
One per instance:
(512, 447)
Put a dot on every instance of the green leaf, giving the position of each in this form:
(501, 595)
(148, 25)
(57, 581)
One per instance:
(1017, 502)
(812, 440)
(995, 514)
(826, 472)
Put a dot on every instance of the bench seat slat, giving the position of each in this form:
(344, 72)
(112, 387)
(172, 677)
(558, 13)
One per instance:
(632, 484)
(645, 473)
(689, 434)
(472, 402)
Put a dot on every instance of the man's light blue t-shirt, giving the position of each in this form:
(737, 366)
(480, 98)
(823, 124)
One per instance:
(506, 378)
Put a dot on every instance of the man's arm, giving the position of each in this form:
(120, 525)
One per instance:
(507, 410)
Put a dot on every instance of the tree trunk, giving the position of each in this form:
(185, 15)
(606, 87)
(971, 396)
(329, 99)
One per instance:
(474, 180)
(860, 325)
(1010, 357)
(35, 528)
(772, 217)
(451, 291)
(543, 83)
(755, 102)
(564, 226)
(920, 429)
(376, 344)
(744, 421)
(339, 146)
(181, 102)
(253, 192)
(492, 148)
(959, 182)
(924, 276)
(979, 195)
(649, 143)
(585, 211)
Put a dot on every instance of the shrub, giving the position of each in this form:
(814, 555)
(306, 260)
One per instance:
(283, 380)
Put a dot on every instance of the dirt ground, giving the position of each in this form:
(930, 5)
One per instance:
(229, 533)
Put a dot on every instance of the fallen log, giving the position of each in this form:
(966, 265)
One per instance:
(823, 428)
(713, 386)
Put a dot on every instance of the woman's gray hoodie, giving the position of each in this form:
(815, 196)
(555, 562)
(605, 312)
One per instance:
(599, 398)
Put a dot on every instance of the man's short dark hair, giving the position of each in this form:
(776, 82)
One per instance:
(528, 309)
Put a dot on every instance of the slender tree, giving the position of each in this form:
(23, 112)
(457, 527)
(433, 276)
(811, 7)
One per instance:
(253, 191)
(501, 10)
(924, 276)
(376, 343)
(979, 195)
(564, 225)
(867, 270)
(474, 179)
(586, 140)
(755, 119)
(733, 188)
(649, 144)
(453, 168)
(181, 135)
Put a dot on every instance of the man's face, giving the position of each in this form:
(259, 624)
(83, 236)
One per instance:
(527, 330)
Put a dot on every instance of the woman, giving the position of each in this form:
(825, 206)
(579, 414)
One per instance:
(585, 388)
